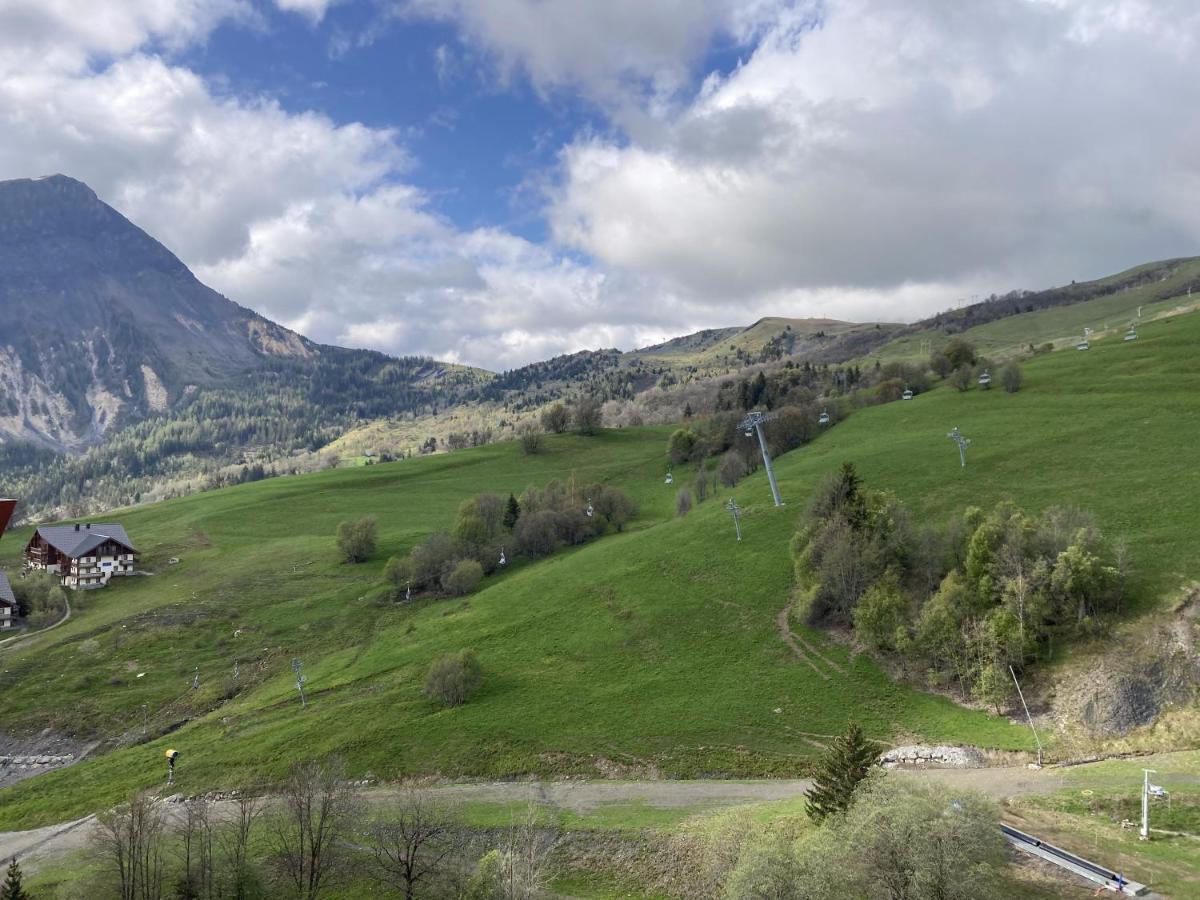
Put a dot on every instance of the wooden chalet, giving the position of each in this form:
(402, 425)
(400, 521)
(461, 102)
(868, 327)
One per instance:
(8, 604)
(6, 511)
(83, 556)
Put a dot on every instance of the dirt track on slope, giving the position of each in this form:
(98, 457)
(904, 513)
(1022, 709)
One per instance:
(36, 846)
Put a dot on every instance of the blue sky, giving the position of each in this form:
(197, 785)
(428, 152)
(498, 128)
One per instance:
(479, 148)
(499, 181)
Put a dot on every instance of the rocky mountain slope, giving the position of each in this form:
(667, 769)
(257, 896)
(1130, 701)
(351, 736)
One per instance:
(103, 325)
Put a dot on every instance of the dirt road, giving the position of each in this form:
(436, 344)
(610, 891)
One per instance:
(36, 846)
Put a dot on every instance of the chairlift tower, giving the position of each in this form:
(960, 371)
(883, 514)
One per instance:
(298, 668)
(737, 516)
(963, 443)
(752, 425)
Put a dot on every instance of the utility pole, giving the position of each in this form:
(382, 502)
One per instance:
(737, 516)
(752, 425)
(1144, 834)
(1021, 694)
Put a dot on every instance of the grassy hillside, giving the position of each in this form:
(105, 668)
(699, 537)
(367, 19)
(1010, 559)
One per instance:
(656, 649)
(1063, 326)
(723, 349)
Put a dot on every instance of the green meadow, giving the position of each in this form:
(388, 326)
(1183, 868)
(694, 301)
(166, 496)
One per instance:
(1109, 316)
(651, 651)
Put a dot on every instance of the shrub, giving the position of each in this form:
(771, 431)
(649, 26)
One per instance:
(961, 378)
(531, 440)
(536, 533)
(40, 598)
(700, 486)
(941, 365)
(463, 578)
(881, 614)
(397, 572)
(587, 415)
(556, 419)
(612, 507)
(889, 390)
(1011, 377)
(357, 540)
(479, 527)
(453, 679)
(732, 468)
(960, 352)
(680, 446)
(904, 838)
(792, 427)
(430, 561)
(683, 502)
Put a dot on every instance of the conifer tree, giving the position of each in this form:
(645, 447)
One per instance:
(12, 889)
(512, 512)
(846, 763)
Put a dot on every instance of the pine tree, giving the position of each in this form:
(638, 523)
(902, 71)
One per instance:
(848, 761)
(512, 512)
(11, 889)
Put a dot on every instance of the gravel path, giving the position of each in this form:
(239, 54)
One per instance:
(582, 797)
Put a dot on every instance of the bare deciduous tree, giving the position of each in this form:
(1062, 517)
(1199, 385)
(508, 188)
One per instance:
(196, 831)
(588, 415)
(416, 843)
(234, 838)
(318, 806)
(519, 867)
(128, 843)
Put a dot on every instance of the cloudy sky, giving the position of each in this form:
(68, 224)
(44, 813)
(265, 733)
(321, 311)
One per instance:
(498, 181)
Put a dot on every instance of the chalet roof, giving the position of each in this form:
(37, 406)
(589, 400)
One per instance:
(6, 594)
(6, 511)
(79, 540)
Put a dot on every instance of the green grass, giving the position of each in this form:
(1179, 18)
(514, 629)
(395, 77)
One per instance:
(716, 355)
(654, 648)
(1086, 815)
(1060, 325)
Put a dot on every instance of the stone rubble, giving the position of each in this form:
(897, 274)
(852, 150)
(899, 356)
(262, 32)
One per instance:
(33, 762)
(938, 756)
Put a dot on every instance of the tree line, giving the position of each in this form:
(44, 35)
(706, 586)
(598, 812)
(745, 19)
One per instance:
(310, 837)
(488, 529)
(996, 589)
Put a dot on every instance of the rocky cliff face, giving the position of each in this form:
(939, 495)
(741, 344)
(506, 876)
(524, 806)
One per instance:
(101, 325)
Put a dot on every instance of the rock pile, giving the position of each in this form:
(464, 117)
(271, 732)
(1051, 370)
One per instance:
(35, 762)
(936, 757)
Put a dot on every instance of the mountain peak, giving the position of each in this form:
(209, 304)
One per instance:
(123, 328)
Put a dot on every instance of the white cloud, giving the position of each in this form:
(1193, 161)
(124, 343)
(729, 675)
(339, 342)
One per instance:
(872, 159)
(313, 10)
(609, 49)
(65, 34)
(1000, 143)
